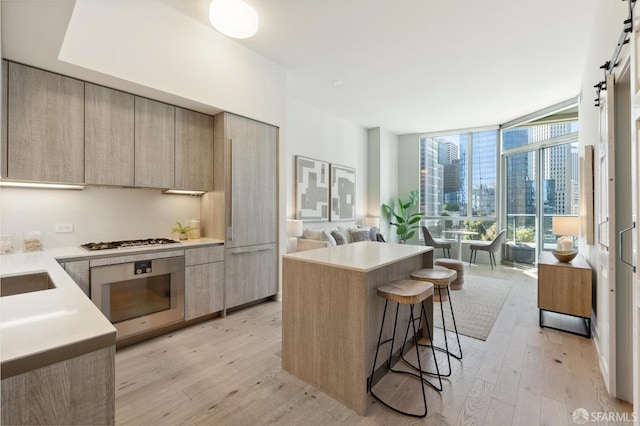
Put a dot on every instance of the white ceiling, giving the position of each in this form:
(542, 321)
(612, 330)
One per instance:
(424, 65)
(420, 65)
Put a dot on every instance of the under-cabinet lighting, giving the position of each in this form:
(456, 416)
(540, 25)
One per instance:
(36, 185)
(182, 192)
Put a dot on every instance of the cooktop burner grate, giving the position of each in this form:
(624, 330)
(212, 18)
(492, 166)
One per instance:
(111, 245)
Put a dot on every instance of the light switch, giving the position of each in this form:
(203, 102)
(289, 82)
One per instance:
(64, 227)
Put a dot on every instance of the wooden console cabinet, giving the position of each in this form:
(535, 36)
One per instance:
(565, 288)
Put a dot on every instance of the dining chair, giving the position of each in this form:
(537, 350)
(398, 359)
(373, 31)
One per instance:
(491, 248)
(429, 241)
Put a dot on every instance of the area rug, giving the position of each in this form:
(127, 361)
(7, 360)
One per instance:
(476, 306)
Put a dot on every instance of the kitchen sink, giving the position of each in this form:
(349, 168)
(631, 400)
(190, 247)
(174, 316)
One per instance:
(19, 284)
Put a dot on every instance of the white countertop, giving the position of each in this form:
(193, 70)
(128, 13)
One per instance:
(364, 256)
(78, 253)
(42, 327)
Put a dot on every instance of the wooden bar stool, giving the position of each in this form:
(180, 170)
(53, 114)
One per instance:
(441, 279)
(404, 292)
(455, 265)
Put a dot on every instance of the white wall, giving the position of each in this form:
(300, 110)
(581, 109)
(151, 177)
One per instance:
(383, 175)
(604, 37)
(605, 32)
(97, 213)
(409, 168)
(319, 135)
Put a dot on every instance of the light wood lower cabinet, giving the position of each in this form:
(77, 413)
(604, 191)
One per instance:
(204, 281)
(204, 289)
(78, 391)
(251, 274)
(79, 271)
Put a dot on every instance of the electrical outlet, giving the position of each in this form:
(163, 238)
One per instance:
(64, 227)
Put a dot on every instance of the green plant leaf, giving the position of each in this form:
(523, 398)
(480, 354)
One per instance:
(410, 234)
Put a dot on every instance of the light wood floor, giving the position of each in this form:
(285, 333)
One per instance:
(227, 371)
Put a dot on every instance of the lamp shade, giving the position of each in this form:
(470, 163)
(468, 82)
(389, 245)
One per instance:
(294, 228)
(233, 18)
(373, 222)
(565, 225)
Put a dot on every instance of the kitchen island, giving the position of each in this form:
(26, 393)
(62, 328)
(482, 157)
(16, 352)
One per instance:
(331, 313)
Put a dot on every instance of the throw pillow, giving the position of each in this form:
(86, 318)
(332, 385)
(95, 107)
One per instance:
(339, 237)
(345, 231)
(373, 233)
(360, 235)
(326, 236)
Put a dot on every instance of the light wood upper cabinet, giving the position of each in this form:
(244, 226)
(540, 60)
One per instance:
(45, 140)
(109, 133)
(194, 150)
(154, 144)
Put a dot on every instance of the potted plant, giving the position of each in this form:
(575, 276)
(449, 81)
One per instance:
(405, 221)
(182, 231)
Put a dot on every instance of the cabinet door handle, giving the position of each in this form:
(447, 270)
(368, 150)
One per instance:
(251, 250)
(633, 226)
(230, 198)
(600, 234)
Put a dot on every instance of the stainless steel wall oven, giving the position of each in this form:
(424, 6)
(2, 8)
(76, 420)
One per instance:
(140, 296)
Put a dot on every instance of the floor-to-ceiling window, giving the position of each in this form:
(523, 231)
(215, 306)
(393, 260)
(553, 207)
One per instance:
(541, 182)
(459, 182)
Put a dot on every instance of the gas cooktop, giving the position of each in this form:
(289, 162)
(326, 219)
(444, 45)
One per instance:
(128, 244)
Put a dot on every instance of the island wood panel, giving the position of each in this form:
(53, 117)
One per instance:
(204, 289)
(45, 139)
(251, 274)
(194, 150)
(3, 130)
(564, 287)
(80, 390)
(154, 144)
(331, 318)
(109, 133)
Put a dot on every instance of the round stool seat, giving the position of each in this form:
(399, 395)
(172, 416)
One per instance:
(406, 292)
(455, 265)
(439, 277)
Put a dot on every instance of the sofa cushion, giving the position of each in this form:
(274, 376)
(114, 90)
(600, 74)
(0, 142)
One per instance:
(326, 236)
(310, 234)
(340, 238)
(360, 235)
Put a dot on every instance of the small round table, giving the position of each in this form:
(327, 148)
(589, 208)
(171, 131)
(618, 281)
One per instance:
(460, 234)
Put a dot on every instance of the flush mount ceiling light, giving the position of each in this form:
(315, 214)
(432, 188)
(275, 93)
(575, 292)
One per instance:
(233, 18)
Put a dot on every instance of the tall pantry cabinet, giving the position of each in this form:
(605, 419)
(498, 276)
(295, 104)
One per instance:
(242, 208)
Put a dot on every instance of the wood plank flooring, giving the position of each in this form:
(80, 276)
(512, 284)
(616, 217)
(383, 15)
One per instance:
(227, 371)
